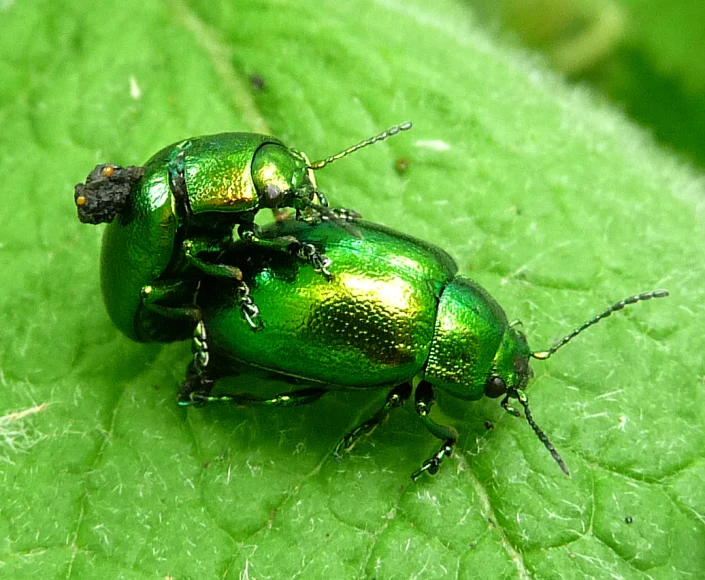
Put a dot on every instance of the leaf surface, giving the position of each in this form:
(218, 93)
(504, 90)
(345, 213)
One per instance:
(553, 202)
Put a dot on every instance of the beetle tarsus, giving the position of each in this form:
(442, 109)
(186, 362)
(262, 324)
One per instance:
(196, 388)
(319, 262)
(433, 464)
(396, 398)
(248, 307)
(509, 409)
(199, 348)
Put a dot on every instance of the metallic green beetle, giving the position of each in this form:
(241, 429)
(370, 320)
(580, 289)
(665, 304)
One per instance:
(169, 218)
(394, 312)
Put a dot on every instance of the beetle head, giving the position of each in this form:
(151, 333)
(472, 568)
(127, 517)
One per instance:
(285, 177)
(511, 370)
(510, 375)
(510, 382)
(282, 177)
(105, 192)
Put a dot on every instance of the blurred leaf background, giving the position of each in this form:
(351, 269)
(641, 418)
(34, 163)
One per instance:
(646, 57)
(545, 192)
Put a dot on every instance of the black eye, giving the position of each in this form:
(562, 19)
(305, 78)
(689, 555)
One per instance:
(272, 195)
(495, 387)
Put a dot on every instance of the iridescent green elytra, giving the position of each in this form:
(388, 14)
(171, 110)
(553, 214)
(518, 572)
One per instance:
(168, 220)
(394, 312)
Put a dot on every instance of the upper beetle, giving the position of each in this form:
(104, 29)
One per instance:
(396, 311)
(170, 219)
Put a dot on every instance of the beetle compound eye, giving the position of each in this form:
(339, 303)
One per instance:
(108, 170)
(272, 195)
(495, 387)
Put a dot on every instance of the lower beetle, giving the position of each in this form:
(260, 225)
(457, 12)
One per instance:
(394, 312)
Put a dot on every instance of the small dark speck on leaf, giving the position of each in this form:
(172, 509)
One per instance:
(206, 464)
(628, 520)
(402, 165)
(257, 82)
(489, 425)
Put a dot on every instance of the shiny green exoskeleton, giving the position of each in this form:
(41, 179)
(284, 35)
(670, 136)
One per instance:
(394, 312)
(169, 219)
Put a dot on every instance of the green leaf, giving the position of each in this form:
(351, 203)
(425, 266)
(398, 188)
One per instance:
(553, 202)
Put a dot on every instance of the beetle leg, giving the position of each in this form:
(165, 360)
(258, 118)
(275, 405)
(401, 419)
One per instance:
(425, 398)
(319, 262)
(194, 388)
(171, 293)
(197, 384)
(396, 398)
(242, 290)
(194, 247)
(290, 399)
(303, 250)
(248, 307)
(508, 408)
(249, 233)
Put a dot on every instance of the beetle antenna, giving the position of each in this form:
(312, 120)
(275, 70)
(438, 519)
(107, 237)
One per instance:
(545, 354)
(540, 434)
(381, 137)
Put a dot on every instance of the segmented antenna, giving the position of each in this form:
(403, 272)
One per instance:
(381, 137)
(541, 435)
(545, 354)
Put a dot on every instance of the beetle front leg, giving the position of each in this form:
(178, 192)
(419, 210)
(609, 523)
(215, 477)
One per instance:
(303, 250)
(396, 398)
(425, 399)
(319, 262)
(225, 271)
(192, 249)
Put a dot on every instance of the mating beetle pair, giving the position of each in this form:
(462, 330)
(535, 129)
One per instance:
(392, 312)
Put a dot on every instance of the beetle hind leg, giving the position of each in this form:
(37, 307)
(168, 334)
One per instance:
(425, 399)
(290, 399)
(396, 398)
